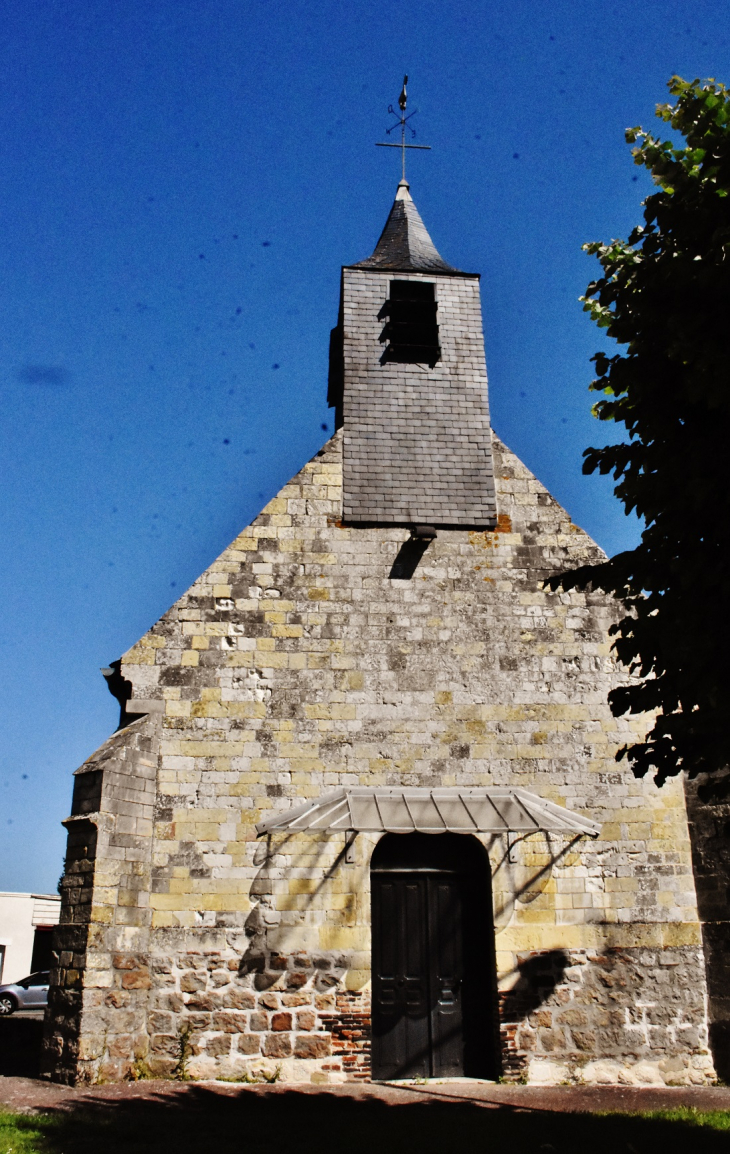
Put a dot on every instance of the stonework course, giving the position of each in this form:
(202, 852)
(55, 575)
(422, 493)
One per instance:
(297, 663)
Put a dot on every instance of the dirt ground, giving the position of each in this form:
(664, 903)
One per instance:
(205, 1118)
(36, 1094)
(364, 1118)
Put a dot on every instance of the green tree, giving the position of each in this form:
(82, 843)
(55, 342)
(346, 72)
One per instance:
(665, 297)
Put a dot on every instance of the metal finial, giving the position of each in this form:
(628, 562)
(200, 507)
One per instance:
(402, 120)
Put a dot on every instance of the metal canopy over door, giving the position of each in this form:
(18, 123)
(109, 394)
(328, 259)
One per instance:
(433, 971)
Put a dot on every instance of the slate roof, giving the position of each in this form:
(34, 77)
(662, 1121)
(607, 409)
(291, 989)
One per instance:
(404, 244)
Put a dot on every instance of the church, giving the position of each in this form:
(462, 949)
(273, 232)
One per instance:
(362, 817)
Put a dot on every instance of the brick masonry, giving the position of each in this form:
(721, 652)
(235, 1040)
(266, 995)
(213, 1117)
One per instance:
(297, 662)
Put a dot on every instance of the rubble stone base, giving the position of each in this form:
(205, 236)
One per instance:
(628, 1016)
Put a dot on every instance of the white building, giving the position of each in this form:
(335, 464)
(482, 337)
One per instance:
(26, 932)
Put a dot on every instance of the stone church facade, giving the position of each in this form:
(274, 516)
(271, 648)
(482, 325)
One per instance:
(367, 733)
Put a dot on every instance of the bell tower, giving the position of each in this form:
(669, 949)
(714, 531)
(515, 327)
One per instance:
(408, 381)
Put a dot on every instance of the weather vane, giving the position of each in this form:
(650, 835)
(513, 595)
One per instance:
(403, 121)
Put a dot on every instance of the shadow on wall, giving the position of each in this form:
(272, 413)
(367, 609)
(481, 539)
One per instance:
(531, 884)
(408, 558)
(326, 967)
(538, 976)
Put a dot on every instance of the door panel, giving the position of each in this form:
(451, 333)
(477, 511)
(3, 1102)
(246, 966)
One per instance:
(401, 1041)
(36, 990)
(447, 975)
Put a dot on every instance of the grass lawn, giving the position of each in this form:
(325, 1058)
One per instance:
(291, 1123)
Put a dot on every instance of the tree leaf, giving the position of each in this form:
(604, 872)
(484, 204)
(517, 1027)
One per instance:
(663, 299)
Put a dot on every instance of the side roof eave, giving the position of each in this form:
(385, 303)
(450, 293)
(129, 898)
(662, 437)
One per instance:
(412, 271)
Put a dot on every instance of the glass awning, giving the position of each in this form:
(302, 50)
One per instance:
(375, 809)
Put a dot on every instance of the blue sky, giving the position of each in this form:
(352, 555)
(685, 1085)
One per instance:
(180, 183)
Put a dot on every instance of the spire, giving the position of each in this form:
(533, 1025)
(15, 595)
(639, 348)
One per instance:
(405, 245)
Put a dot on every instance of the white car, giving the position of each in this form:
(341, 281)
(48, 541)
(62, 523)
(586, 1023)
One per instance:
(29, 993)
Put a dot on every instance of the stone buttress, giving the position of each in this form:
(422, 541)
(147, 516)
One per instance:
(319, 650)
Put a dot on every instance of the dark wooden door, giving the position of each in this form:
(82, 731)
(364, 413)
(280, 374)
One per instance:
(446, 941)
(418, 973)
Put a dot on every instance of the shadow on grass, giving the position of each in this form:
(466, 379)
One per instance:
(201, 1121)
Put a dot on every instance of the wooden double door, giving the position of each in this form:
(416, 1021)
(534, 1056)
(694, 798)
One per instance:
(433, 971)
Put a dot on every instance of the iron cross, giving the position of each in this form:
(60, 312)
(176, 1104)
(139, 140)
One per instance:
(402, 121)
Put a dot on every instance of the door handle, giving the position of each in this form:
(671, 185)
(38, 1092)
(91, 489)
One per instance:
(450, 989)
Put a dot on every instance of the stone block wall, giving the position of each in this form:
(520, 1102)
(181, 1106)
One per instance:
(299, 662)
(96, 1028)
(628, 1016)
